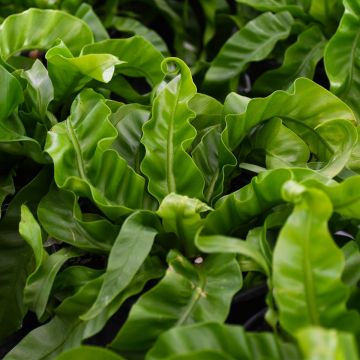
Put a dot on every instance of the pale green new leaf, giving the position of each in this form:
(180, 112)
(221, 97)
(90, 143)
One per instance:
(264, 192)
(140, 57)
(341, 58)
(69, 74)
(252, 43)
(224, 244)
(85, 164)
(168, 134)
(182, 216)
(318, 343)
(307, 266)
(344, 196)
(187, 294)
(40, 29)
(300, 60)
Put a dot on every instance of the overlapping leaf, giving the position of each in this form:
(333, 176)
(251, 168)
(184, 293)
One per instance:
(229, 342)
(341, 57)
(168, 134)
(187, 294)
(66, 330)
(253, 42)
(307, 266)
(321, 119)
(39, 29)
(16, 255)
(99, 172)
(69, 74)
(60, 215)
(300, 60)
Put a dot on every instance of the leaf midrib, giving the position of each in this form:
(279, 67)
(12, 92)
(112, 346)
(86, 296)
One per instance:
(309, 289)
(171, 182)
(79, 161)
(195, 298)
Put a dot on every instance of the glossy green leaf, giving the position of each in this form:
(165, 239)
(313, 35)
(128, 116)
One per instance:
(30, 231)
(15, 255)
(283, 148)
(300, 60)
(86, 13)
(252, 43)
(341, 57)
(182, 216)
(66, 330)
(130, 249)
(307, 266)
(351, 273)
(225, 244)
(70, 74)
(99, 172)
(168, 134)
(40, 29)
(39, 91)
(140, 57)
(215, 161)
(39, 283)
(344, 196)
(13, 137)
(129, 120)
(135, 27)
(231, 342)
(89, 353)
(245, 204)
(187, 294)
(318, 343)
(71, 279)
(12, 97)
(60, 215)
(208, 111)
(294, 7)
(321, 119)
(328, 12)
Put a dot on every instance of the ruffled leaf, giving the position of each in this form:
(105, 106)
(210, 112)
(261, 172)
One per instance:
(168, 134)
